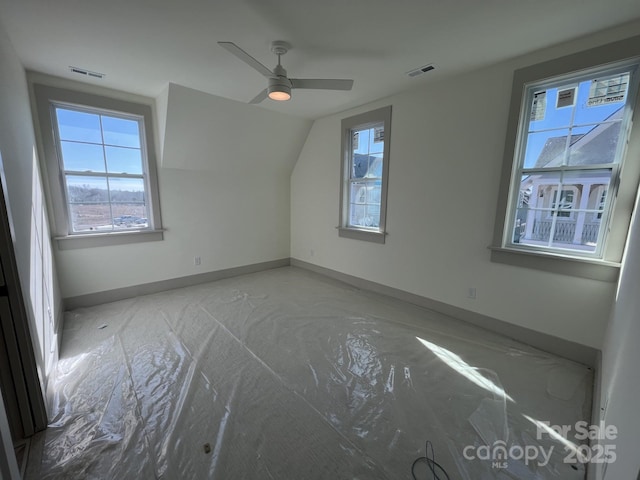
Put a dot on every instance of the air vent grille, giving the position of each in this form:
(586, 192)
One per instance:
(86, 73)
(421, 70)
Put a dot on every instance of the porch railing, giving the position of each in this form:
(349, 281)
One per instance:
(565, 231)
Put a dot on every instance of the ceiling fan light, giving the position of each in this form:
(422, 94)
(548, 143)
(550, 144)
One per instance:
(279, 92)
(279, 96)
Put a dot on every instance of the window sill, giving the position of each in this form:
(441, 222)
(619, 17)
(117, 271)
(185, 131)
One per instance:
(365, 235)
(591, 268)
(71, 242)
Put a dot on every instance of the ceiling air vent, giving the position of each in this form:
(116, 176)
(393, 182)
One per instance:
(421, 70)
(86, 73)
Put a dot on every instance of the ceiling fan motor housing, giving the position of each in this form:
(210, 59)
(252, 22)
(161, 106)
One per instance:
(279, 87)
(279, 84)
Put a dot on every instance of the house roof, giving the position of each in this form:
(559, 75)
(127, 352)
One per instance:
(367, 165)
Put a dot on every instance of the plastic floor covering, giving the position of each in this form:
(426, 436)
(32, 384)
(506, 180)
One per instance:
(286, 374)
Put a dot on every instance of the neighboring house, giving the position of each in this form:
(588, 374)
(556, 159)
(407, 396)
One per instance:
(365, 198)
(541, 204)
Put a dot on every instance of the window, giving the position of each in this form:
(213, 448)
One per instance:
(365, 164)
(566, 148)
(103, 172)
(101, 167)
(566, 193)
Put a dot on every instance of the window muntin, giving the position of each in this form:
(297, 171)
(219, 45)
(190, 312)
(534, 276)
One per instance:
(572, 139)
(365, 163)
(103, 165)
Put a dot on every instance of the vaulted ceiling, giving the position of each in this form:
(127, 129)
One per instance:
(141, 45)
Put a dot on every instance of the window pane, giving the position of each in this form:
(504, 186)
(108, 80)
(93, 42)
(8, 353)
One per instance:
(367, 216)
(369, 166)
(361, 140)
(597, 145)
(520, 226)
(126, 190)
(120, 132)
(372, 218)
(358, 193)
(82, 157)
(124, 160)
(375, 166)
(90, 217)
(527, 195)
(78, 126)
(374, 191)
(546, 149)
(357, 214)
(360, 165)
(81, 189)
(376, 139)
(368, 140)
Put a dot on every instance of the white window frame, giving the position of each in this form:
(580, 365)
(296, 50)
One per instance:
(47, 98)
(360, 122)
(605, 264)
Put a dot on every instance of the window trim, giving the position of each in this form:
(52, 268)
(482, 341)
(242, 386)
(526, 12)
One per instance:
(607, 267)
(380, 115)
(46, 97)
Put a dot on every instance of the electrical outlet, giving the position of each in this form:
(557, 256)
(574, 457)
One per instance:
(471, 293)
(197, 260)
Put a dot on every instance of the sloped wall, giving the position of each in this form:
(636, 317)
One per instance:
(224, 192)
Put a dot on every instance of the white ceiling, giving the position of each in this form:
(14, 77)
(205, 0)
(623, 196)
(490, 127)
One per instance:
(141, 45)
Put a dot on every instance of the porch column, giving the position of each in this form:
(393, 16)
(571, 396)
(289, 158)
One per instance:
(533, 202)
(584, 202)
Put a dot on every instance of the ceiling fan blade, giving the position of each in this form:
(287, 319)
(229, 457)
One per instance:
(321, 84)
(246, 58)
(260, 97)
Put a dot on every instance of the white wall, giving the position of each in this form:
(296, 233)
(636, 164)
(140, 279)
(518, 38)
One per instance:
(224, 192)
(447, 144)
(26, 207)
(620, 360)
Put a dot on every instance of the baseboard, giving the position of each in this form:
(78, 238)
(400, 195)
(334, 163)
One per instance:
(548, 343)
(98, 298)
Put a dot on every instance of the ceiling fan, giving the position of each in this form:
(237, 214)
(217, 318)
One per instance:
(280, 86)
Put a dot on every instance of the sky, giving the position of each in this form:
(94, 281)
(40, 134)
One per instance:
(88, 139)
